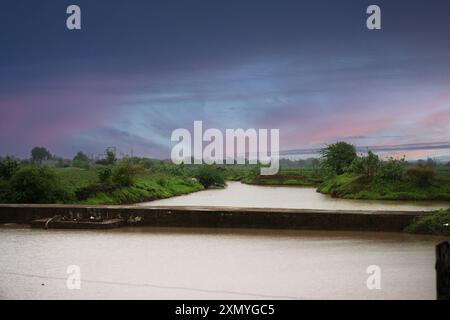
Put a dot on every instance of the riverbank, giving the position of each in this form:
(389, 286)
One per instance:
(72, 185)
(302, 177)
(437, 223)
(351, 186)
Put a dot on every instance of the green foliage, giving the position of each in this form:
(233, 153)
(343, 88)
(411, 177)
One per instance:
(338, 156)
(421, 175)
(286, 177)
(8, 166)
(38, 154)
(146, 189)
(436, 223)
(32, 184)
(124, 173)
(353, 186)
(80, 156)
(392, 169)
(104, 175)
(110, 157)
(365, 165)
(210, 175)
(80, 161)
(5, 191)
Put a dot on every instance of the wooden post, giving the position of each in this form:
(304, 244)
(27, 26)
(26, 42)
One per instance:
(443, 270)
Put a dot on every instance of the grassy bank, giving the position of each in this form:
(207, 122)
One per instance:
(147, 187)
(353, 186)
(307, 177)
(437, 223)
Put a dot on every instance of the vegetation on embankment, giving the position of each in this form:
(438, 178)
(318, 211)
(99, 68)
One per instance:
(437, 223)
(368, 177)
(107, 181)
(306, 177)
(83, 186)
(357, 186)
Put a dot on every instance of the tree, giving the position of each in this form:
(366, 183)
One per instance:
(110, 156)
(338, 156)
(80, 156)
(38, 154)
(80, 160)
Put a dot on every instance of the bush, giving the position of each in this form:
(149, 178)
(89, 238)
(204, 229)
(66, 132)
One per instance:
(392, 169)
(34, 184)
(421, 175)
(8, 166)
(365, 165)
(5, 192)
(435, 223)
(104, 175)
(209, 175)
(124, 173)
(80, 164)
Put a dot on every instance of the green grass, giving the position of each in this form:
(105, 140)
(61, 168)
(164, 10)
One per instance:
(288, 177)
(436, 223)
(74, 178)
(145, 190)
(351, 186)
(148, 186)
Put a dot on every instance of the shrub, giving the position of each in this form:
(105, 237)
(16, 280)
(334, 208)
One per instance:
(8, 166)
(209, 175)
(80, 164)
(365, 165)
(392, 169)
(5, 192)
(34, 184)
(421, 175)
(435, 223)
(85, 192)
(124, 173)
(104, 175)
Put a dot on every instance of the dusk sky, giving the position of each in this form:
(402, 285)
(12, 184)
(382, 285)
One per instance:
(140, 69)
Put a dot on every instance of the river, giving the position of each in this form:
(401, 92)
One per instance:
(176, 263)
(237, 194)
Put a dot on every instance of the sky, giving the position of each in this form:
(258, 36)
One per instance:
(137, 70)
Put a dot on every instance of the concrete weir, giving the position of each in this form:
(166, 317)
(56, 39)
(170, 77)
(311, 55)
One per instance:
(221, 217)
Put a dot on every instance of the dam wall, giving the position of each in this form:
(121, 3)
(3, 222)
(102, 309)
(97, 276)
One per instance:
(221, 217)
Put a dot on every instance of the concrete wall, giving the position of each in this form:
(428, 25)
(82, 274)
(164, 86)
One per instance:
(218, 217)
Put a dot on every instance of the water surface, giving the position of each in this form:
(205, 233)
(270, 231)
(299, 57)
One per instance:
(237, 194)
(159, 263)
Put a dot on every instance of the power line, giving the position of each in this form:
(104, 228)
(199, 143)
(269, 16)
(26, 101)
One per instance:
(149, 285)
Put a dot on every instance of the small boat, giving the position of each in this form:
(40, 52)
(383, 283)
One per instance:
(58, 222)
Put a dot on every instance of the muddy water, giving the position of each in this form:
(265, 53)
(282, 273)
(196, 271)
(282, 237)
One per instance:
(155, 263)
(241, 195)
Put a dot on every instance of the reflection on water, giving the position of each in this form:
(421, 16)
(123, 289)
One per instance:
(241, 195)
(160, 263)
